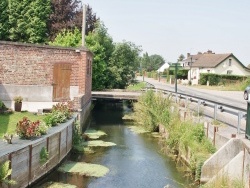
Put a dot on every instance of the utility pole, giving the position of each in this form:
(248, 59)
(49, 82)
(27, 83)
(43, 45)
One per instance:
(176, 77)
(83, 23)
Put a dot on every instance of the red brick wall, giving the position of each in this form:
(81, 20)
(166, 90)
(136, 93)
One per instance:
(28, 64)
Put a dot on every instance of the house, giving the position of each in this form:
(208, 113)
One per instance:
(210, 62)
(163, 67)
(44, 75)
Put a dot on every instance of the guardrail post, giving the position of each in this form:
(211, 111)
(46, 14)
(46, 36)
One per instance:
(215, 111)
(239, 121)
(176, 98)
(186, 102)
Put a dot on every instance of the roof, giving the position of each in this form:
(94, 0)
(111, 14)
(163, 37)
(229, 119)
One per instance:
(210, 60)
(163, 67)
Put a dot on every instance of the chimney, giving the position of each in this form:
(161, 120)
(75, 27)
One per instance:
(188, 55)
(84, 10)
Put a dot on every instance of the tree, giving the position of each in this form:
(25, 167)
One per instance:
(123, 64)
(28, 20)
(67, 14)
(181, 57)
(151, 63)
(4, 16)
(91, 20)
(63, 16)
(68, 38)
(101, 44)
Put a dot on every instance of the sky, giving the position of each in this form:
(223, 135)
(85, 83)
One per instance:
(173, 27)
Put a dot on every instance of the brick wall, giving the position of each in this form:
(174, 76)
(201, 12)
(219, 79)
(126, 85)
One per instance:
(32, 65)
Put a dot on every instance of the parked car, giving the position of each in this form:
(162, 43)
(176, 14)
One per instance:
(246, 92)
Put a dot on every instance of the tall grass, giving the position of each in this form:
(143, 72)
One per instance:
(184, 136)
(225, 182)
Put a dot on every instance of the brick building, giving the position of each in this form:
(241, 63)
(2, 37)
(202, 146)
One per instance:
(44, 75)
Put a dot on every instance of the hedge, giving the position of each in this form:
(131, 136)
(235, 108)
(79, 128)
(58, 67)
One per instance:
(215, 79)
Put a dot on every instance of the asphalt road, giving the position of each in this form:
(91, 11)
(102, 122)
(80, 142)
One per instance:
(233, 98)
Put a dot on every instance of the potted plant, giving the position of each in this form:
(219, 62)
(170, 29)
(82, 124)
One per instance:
(18, 103)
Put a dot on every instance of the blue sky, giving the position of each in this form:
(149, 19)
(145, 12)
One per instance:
(173, 27)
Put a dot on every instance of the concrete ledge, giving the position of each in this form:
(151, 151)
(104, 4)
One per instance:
(220, 158)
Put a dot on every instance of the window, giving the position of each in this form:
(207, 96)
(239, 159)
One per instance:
(229, 72)
(230, 62)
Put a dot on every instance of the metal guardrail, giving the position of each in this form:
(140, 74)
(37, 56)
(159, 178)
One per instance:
(222, 107)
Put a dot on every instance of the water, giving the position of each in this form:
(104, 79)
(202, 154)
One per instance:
(136, 161)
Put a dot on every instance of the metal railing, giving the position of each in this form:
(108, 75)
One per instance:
(238, 112)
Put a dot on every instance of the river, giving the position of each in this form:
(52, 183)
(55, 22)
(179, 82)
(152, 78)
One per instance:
(135, 161)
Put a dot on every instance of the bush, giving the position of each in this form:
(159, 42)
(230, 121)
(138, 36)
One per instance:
(60, 113)
(50, 120)
(215, 79)
(27, 129)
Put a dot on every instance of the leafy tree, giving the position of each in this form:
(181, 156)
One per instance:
(4, 24)
(101, 44)
(151, 63)
(62, 16)
(123, 64)
(181, 57)
(28, 20)
(91, 20)
(68, 38)
(67, 14)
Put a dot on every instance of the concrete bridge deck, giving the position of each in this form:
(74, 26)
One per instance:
(116, 94)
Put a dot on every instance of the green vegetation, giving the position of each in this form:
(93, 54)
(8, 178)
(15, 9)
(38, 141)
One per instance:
(184, 137)
(152, 110)
(61, 112)
(8, 122)
(98, 143)
(44, 155)
(137, 86)
(138, 129)
(225, 181)
(229, 82)
(5, 171)
(84, 169)
(94, 134)
(58, 185)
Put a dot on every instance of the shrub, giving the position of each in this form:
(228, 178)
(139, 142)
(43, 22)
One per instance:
(27, 129)
(50, 120)
(43, 128)
(65, 108)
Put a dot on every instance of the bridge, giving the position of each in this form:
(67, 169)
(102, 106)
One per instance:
(115, 95)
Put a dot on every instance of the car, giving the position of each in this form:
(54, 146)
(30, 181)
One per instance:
(246, 92)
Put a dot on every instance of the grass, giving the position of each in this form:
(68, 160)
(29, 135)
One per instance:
(137, 86)
(8, 121)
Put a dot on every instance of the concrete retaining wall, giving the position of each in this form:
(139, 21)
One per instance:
(220, 158)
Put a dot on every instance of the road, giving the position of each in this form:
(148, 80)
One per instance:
(233, 98)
